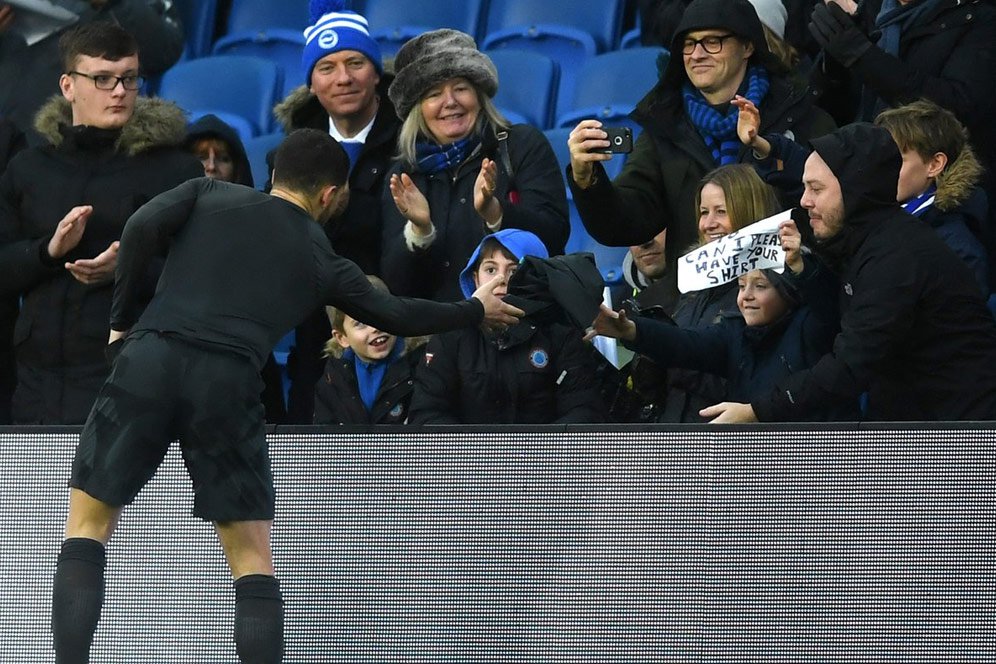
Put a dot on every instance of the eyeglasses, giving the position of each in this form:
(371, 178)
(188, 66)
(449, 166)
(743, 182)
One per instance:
(108, 82)
(712, 44)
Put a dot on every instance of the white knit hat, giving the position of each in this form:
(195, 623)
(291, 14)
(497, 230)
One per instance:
(772, 14)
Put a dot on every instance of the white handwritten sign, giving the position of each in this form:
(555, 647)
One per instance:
(754, 247)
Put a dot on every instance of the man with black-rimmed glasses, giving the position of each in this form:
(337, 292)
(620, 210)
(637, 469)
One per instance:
(688, 127)
(62, 208)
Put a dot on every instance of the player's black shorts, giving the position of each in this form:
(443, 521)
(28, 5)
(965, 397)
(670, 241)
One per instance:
(164, 388)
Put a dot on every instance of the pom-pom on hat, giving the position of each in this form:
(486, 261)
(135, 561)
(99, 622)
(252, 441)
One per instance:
(334, 28)
(434, 57)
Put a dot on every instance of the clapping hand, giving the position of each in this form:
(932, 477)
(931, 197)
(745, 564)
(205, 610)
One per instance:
(748, 125)
(96, 270)
(411, 202)
(484, 193)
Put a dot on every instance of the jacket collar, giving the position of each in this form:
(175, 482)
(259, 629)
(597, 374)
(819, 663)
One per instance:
(155, 123)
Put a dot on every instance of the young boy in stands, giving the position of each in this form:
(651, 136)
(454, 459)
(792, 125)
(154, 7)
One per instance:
(939, 180)
(529, 374)
(369, 374)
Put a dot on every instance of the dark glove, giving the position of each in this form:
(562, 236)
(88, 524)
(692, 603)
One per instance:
(834, 30)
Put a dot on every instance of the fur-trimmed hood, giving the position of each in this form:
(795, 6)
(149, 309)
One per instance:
(956, 182)
(300, 108)
(297, 101)
(155, 123)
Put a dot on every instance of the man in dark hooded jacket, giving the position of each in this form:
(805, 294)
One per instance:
(689, 128)
(62, 208)
(915, 332)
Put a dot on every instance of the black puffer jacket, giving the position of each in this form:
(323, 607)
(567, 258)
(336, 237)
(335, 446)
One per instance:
(539, 375)
(337, 394)
(63, 325)
(915, 332)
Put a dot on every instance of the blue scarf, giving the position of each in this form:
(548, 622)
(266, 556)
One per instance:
(893, 19)
(919, 204)
(433, 158)
(370, 375)
(720, 132)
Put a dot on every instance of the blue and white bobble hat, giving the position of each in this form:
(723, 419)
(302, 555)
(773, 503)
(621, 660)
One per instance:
(335, 28)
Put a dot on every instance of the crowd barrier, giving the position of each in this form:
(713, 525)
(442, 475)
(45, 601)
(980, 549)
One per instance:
(570, 544)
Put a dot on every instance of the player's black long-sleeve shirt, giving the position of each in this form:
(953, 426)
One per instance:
(243, 268)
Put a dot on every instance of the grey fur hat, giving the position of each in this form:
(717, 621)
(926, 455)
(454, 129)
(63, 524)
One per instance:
(434, 57)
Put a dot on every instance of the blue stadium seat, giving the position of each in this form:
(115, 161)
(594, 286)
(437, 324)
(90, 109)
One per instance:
(393, 22)
(256, 150)
(600, 19)
(567, 32)
(198, 26)
(282, 46)
(610, 85)
(248, 15)
(240, 85)
(527, 86)
(631, 38)
(558, 141)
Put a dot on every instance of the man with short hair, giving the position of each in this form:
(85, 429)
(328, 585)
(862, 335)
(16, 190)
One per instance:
(109, 151)
(29, 69)
(345, 94)
(915, 333)
(689, 128)
(242, 267)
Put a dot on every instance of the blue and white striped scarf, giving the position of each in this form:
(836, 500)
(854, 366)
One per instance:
(433, 158)
(720, 132)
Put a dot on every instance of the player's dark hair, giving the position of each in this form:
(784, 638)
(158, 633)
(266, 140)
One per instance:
(308, 160)
(98, 39)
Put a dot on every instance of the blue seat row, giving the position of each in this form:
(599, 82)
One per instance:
(595, 23)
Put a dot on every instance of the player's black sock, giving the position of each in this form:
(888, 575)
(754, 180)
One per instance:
(259, 619)
(77, 598)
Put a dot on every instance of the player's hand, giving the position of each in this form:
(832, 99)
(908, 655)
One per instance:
(411, 203)
(791, 239)
(584, 138)
(496, 312)
(484, 193)
(729, 412)
(96, 270)
(613, 324)
(69, 232)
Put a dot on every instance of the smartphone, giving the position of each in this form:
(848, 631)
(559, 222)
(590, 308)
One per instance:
(620, 140)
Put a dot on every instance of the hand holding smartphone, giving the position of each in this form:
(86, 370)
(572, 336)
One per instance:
(620, 140)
